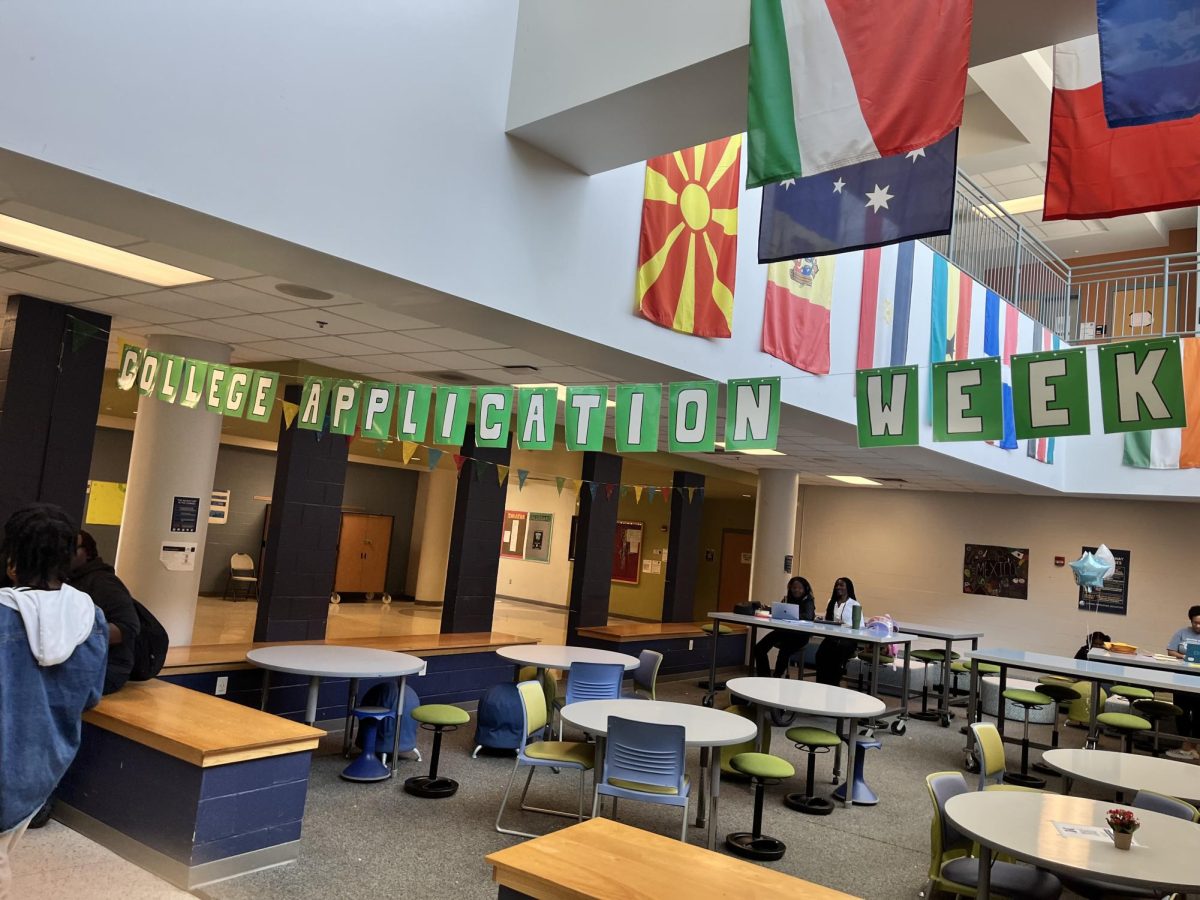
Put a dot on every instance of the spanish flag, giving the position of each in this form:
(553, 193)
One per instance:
(687, 253)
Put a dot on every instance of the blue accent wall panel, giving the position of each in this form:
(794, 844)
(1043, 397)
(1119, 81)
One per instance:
(677, 658)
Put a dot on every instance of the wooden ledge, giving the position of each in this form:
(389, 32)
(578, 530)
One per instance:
(198, 728)
(220, 657)
(640, 631)
(603, 859)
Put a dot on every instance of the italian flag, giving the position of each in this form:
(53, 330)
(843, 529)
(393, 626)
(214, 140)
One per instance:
(1172, 448)
(839, 82)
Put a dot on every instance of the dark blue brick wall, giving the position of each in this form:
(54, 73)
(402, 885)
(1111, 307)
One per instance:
(677, 658)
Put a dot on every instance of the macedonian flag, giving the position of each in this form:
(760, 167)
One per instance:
(687, 254)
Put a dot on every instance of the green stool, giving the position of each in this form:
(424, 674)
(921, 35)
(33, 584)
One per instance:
(1126, 724)
(1131, 693)
(1027, 700)
(1061, 694)
(707, 628)
(814, 741)
(438, 718)
(1156, 711)
(930, 658)
(963, 667)
(760, 768)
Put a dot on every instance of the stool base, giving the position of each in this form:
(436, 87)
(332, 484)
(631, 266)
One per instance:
(928, 716)
(762, 847)
(863, 795)
(1024, 780)
(435, 788)
(367, 767)
(809, 805)
(1045, 770)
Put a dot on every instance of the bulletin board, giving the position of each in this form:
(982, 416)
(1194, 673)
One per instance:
(996, 571)
(537, 537)
(512, 540)
(627, 553)
(1113, 596)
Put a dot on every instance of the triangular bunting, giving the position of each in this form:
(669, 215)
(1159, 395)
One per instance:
(81, 333)
(624, 490)
(650, 492)
(477, 470)
(459, 459)
(637, 493)
(559, 481)
(574, 486)
(608, 491)
(595, 486)
(522, 474)
(290, 411)
(435, 457)
(691, 494)
(407, 449)
(501, 474)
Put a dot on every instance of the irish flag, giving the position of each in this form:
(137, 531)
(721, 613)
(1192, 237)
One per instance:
(839, 82)
(1172, 448)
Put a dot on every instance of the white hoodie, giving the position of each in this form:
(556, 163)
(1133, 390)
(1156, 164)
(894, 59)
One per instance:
(56, 622)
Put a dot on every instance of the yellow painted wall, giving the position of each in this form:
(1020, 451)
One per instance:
(719, 515)
(644, 600)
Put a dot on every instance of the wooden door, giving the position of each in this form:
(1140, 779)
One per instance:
(377, 543)
(733, 585)
(349, 573)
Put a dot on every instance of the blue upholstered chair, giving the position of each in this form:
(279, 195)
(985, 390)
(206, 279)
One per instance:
(644, 761)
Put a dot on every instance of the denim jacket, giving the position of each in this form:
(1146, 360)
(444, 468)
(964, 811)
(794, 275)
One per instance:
(40, 713)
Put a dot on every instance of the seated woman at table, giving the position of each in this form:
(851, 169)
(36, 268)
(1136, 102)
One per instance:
(799, 591)
(1188, 724)
(1096, 641)
(834, 653)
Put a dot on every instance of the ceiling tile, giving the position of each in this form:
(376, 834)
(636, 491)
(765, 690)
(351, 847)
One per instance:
(191, 261)
(567, 375)
(348, 364)
(1013, 173)
(280, 349)
(330, 344)
(333, 323)
(452, 339)
(120, 306)
(216, 332)
(88, 279)
(20, 283)
(194, 307)
(447, 359)
(266, 284)
(398, 343)
(268, 327)
(241, 298)
(14, 259)
(512, 357)
(381, 318)
(66, 224)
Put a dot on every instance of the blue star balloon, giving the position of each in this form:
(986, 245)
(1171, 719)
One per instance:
(1089, 571)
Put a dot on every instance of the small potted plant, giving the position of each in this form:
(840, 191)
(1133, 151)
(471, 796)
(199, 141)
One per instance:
(1123, 824)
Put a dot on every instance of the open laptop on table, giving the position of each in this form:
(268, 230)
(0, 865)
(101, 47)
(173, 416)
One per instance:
(785, 612)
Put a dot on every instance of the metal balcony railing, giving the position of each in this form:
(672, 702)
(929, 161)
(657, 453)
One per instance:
(1149, 297)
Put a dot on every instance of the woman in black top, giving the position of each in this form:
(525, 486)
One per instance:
(789, 642)
(834, 653)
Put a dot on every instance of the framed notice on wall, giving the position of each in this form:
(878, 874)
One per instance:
(512, 540)
(1113, 597)
(996, 571)
(537, 537)
(627, 553)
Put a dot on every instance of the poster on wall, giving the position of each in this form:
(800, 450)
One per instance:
(185, 513)
(1113, 597)
(537, 537)
(627, 553)
(996, 571)
(106, 503)
(512, 540)
(218, 508)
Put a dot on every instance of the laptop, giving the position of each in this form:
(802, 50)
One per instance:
(1191, 650)
(788, 612)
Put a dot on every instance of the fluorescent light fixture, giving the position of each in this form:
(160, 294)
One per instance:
(48, 242)
(721, 444)
(854, 479)
(1015, 207)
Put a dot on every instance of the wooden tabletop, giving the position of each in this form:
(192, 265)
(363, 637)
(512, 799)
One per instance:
(600, 859)
(640, 631)
(197, 728)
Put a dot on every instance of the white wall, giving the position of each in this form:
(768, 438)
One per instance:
(904, 551)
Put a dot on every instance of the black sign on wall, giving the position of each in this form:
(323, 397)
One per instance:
(996, 571)
(185, 513)
(1113, 597)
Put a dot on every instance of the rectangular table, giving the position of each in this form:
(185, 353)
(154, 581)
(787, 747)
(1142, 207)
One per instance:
(824, 629)
(949, 637)
(1081, 670)
(1143, 661)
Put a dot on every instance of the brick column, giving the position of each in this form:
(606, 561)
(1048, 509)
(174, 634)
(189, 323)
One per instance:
(683, 548)
(591, 574)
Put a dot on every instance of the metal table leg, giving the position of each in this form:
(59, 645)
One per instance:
(973, 714)
(266, 688)
(837, 751)
(1001, 703)
(760, 718)
(852, 757)
(351, 702)
(983, 890)
(714, 792)
(1093, 726)
(310, 712)
(712, 667)
(702, 800)
(399, 715)
(944, 706)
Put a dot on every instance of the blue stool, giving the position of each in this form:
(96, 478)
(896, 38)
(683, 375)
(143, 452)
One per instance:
(367, 766)
(863, 795)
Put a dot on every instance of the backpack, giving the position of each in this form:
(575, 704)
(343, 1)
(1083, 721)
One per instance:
(150, 647)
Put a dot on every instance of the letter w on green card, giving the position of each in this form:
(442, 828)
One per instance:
(1141, 385)
(887, 407)
(752, 419)
(967, 400)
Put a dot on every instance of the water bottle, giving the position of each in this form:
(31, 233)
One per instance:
(856, 617)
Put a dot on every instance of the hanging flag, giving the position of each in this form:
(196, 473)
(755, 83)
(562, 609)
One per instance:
(459, 459)
(884, 305)
(796, 312)
(290, 410)
(831, 85)
(1172, 448)
(1149, 61)
(559, 481)
(608, 490)
(522, 474)
(435, 457)
(637, 493)
(687, 252)
(594, 486)
(691, 494)
(871, 204)
(1094, 171)
(407, 449)
(501, 474)
(650, 493)
(993, 345)
(950, 328)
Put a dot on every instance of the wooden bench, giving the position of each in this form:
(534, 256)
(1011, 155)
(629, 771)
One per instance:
(187, 785)
(605, 860)
(685, 646)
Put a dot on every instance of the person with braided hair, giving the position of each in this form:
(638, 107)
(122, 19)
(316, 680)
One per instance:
(53, 648)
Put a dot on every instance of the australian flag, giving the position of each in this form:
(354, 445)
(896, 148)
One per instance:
(882, 201)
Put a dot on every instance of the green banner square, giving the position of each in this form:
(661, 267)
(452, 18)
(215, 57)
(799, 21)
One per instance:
(967, 401)
(192, 383)
(378, 405)
(1141, 385)
(237, 392)
(217, 388)
(537, 414)
(169, 377)
(693, 417)
(314, 402)
(493, 415)
(129, 366)
(412, 411)
(344, 400)
(585, 417)
(148, 376)
(752, 414)
(263, 388)
(1050, 394)
(639, 407)
(450, 415)
(888, 412)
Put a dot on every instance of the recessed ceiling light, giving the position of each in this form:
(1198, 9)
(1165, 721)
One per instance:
(302, 292)
(854, 479)
(1015, 207)
(720, 445)
(747, 496)
(48, 242)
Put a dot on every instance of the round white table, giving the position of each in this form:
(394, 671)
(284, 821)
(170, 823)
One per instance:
(1021, 824)
(319, 661)
(704, 727)
(553, 656)
(1127, 772)
(814, 700)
